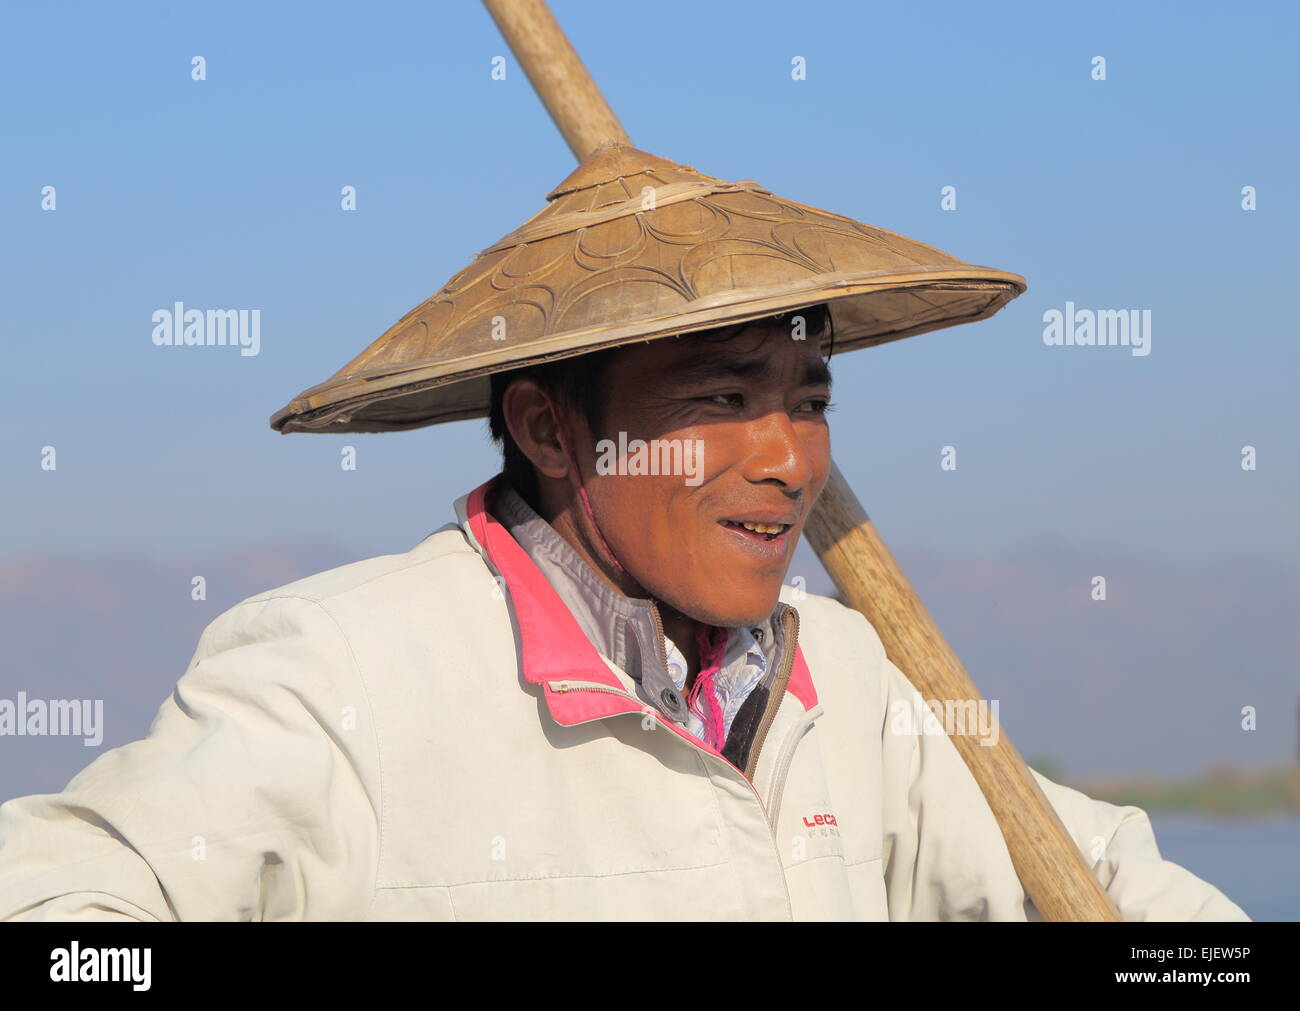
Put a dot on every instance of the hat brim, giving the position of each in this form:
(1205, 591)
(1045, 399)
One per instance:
(631, 248)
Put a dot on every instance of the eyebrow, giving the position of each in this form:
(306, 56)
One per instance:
(715, 366)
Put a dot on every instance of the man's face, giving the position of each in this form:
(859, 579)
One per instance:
(741, 424)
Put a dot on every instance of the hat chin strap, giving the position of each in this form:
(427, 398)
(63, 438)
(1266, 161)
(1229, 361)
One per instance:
(575, 477)
(710, 640)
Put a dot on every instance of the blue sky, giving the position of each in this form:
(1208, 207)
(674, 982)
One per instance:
(225, 192)
(1072, 462)
(1116, 194)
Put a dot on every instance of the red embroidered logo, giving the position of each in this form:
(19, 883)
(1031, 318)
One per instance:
(819, 820)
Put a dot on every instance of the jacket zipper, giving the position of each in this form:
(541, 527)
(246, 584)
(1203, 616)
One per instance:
(790, 624)
(659, 634)
(588, 686)
(592, 686)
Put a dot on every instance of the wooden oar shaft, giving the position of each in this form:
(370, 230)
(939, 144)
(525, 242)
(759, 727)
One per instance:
(558, 75)
(1050, 866)
(1048, 862)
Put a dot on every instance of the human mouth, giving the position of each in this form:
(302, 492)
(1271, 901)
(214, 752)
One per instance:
(759, 530)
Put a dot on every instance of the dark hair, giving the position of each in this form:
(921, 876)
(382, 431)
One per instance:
(576, 384)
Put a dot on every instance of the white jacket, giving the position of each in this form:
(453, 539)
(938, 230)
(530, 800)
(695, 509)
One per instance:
(429, 736)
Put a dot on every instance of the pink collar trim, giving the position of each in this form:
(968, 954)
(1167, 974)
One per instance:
(552, 645)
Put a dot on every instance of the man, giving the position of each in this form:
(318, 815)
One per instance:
(589, 697)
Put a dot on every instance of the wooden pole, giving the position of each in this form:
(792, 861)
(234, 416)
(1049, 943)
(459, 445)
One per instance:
(558, 75)
(1050, 866)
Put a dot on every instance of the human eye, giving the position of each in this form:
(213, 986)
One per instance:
(726, 399)
(817, 406)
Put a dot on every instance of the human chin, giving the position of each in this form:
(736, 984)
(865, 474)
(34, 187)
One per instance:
(725, 576)
(753, 600)
(727, 601)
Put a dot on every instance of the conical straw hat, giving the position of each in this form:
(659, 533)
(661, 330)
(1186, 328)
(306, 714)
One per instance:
(632, 247)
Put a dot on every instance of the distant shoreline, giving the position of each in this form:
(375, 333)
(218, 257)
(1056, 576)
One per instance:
(1223, 790)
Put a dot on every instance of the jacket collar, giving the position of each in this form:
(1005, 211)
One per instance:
(623, 628)
(554, 647)
(627, 630)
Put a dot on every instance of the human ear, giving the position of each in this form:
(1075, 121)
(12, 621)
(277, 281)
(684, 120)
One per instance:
(527, 411)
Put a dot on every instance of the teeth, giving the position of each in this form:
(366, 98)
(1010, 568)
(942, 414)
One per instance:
(764, 528)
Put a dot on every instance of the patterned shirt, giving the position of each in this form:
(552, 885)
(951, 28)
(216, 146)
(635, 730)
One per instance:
(743, 666)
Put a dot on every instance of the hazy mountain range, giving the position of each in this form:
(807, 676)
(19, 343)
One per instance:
(1153, 679)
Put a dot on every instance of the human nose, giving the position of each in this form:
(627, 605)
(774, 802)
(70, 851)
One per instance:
(778, 453)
